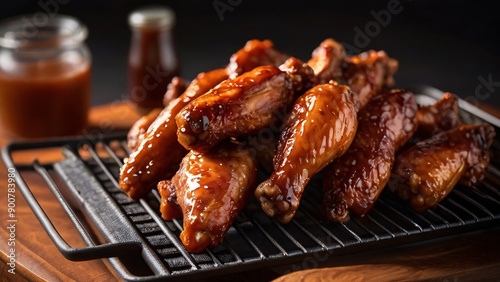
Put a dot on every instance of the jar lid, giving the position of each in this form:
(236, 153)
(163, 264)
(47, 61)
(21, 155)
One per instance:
(152, 16)
(30, 31)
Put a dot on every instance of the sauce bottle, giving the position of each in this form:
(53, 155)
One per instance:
(152, 61)
(44, 77)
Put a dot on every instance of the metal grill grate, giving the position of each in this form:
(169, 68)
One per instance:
(141, 246)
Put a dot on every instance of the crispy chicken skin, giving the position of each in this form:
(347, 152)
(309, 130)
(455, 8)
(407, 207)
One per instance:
(319, 128)
(255, 53)
(212, 188)
(427, 172)
(326, 61)
(239, 106)
(368, 74)
(440, 116)
(354, 181)
(158, 153)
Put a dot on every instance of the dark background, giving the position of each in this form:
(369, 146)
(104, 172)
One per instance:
(451, 45)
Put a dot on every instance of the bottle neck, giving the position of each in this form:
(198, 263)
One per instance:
(151, 46)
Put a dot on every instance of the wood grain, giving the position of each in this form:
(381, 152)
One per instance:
(467, 257)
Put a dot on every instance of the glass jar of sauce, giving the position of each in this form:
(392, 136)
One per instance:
(44, 76)
(152, 61)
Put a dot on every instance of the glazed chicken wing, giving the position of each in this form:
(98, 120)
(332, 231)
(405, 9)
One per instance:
(212, 188)
(354, 181)
(368, 73)
(326, 61)
(427, 172)
(255, 53)
(239, 106)
(319, 128)
(440, 116)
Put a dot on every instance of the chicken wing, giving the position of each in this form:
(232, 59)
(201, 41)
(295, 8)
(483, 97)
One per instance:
(255, 53)
(319, 128)
(368, 73)
(440, 116)
(212, 188)
(239, 106)
(427, 172)
(354, 181)
(326, 61)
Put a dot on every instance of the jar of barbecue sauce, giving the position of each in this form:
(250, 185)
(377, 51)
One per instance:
(152, 61)
(44, 76)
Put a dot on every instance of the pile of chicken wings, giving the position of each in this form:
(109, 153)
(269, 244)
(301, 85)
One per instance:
(334, 115)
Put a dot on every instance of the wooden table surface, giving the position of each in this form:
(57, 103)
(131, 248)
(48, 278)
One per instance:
(471, 256)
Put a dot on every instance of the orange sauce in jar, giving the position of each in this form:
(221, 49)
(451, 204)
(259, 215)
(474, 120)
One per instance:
(47, 100)
(44, 77)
